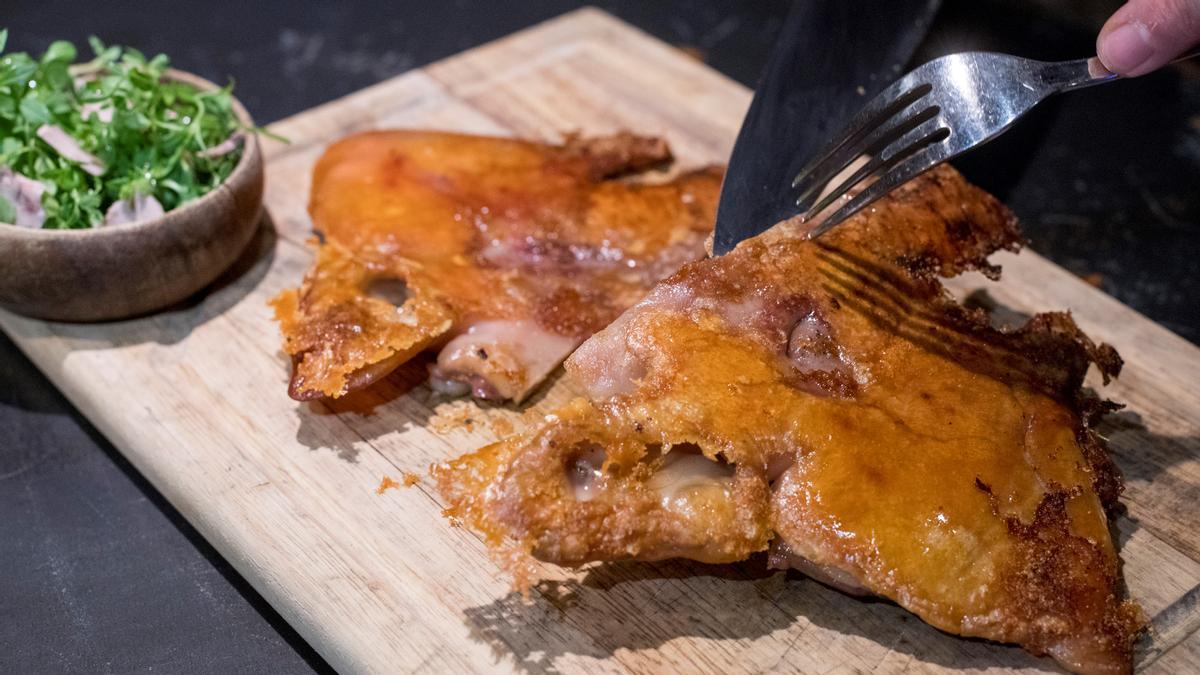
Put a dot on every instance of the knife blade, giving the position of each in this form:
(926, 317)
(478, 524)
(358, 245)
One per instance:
(832, 57)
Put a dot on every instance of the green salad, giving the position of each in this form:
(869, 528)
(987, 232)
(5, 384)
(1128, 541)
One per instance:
(106, 141)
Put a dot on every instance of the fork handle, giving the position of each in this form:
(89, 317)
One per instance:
(1069, 75)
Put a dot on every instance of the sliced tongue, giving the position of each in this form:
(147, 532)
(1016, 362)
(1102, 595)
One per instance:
(137, 208)
(101, 111)
(225, 147)
(69, 148)
(25, 196)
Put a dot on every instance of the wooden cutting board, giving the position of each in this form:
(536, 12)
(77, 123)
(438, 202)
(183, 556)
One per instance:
(195, 398)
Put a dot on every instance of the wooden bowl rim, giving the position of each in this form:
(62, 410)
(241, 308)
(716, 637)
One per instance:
(240, 173)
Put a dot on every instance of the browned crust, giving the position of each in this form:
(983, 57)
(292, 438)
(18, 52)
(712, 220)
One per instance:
(339, 337)
(1051, 579)
(706, 357)
(1107, 480)
(626, 521)
(479, 229)
(621, 153)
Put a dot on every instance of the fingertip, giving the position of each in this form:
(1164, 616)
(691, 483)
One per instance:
(1144, 35)
(1126, 49)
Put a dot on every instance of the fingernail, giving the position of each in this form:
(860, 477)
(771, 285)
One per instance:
(1126, 48)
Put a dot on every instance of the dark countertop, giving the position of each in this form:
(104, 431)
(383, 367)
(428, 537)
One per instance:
(98, 573)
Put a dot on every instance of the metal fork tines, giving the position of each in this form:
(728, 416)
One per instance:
(930, 115)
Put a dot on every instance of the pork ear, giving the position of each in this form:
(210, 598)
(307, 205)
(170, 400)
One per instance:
(580, 490)
(351, 324)
(511, 251)
(888, 440)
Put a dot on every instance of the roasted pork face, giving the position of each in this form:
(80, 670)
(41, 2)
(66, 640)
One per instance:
(503, 254)
(828, 402)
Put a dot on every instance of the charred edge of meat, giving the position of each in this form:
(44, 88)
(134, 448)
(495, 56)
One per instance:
(619, 154)
(1050, 595)
(1044, 581)
(1107, 480)
(974, 225)
(1049, 351)
(297, 385)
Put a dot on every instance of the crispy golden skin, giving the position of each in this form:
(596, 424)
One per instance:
(852, 418)
(528, 247)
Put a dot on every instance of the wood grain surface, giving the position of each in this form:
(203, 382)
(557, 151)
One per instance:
(195, 398)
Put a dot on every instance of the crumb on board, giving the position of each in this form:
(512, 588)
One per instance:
(386, 484)
(502, 426)
(465, 415)
(406, 480)
(454, 415)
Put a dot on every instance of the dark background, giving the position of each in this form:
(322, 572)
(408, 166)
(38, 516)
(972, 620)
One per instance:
(99, 574)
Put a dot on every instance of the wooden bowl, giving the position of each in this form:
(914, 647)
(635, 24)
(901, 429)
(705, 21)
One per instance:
(125, 270)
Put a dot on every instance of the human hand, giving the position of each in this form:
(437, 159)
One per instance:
(1144, 35)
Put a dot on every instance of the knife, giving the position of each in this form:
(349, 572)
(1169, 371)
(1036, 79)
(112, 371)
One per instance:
(832, 57)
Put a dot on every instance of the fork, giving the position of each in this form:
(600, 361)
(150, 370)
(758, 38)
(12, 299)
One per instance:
(935, 112)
